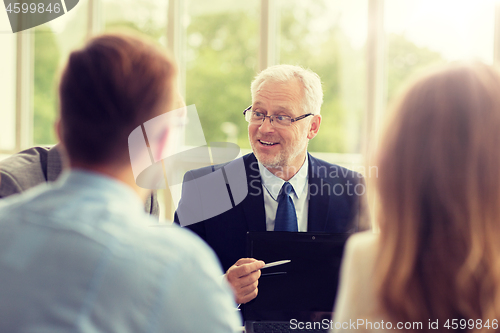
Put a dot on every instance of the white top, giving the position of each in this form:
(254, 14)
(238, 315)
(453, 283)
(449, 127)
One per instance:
(355, 307)
(273, 185)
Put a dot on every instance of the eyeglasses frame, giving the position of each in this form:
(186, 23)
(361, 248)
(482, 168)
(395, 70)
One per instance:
(292, 120)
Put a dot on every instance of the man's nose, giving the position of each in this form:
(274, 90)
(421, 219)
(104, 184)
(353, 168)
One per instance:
(266, 126)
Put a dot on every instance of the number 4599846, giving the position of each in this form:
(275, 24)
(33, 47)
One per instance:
(23, 7)
(470, 324)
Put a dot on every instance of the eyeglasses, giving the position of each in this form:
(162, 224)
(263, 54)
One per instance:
(254, 117)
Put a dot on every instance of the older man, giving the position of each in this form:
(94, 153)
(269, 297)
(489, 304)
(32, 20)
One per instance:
(288, 189)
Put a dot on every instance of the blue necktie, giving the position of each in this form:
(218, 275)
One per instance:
(286, 217)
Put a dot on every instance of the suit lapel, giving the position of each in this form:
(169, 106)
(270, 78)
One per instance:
(253, 205)
(318, 201)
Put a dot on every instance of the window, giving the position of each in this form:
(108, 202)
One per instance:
(7, 90)
(7, 85)
(421, 33)
(222, 41)
(329, 38)
(54, 41)
(146, 16)
(220, 47)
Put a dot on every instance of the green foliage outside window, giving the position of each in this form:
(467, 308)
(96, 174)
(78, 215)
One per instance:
(339, 66)
(221, 61)
(45, 93)
(405, 59)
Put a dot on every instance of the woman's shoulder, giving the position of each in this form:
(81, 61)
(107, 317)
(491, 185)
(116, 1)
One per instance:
(366, 241)
(356, 294)
(360, 252)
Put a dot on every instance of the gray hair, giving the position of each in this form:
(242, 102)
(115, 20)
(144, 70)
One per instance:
(313, 92)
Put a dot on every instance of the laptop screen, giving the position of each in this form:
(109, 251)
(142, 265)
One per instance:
(303, 289)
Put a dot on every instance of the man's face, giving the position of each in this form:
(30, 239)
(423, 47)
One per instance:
(279, 148)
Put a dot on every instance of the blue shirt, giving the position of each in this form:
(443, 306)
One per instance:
(80, 255)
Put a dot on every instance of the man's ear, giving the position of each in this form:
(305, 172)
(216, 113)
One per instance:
(60, 146)
(161, 144)
(314, 126)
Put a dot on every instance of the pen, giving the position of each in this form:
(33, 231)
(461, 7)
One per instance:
(276, 263)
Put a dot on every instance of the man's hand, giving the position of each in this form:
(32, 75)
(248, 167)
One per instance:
(244, 278)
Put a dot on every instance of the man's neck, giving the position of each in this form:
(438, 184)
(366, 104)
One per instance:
(286, 172)
(121, 174)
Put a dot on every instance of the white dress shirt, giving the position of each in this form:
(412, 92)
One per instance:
(273, 185)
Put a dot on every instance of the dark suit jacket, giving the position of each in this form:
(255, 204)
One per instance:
(37, 165)
(334, 207)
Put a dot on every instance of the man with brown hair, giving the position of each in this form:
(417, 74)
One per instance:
(77, 254)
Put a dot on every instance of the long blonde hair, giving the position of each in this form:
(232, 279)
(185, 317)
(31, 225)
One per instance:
(439, 191)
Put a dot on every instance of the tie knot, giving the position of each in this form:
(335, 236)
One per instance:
(287, 188)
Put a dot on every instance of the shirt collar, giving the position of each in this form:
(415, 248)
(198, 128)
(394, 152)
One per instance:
(116, 193)
(273, 184)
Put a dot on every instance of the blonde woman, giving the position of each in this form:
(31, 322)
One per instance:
(435, 266)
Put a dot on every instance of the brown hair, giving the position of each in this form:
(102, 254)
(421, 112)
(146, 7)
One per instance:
(439, 190)
(111, 86)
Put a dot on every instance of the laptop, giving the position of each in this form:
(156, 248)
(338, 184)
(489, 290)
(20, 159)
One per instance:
(301, 293)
